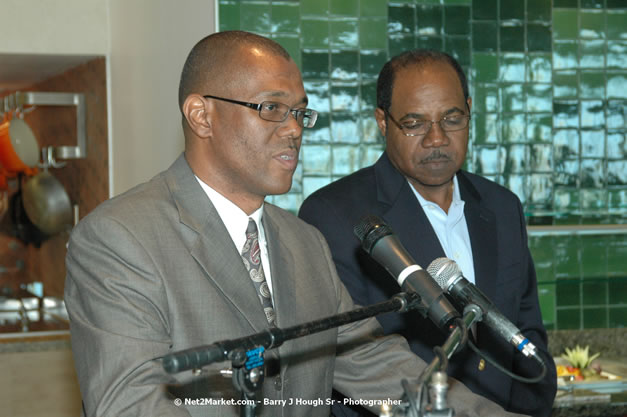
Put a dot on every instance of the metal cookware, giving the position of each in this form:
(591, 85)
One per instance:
(47, 204)
(20, 225)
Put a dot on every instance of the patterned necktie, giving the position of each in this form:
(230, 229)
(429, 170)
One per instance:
(252, 261)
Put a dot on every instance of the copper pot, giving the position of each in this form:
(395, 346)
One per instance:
(19, 151)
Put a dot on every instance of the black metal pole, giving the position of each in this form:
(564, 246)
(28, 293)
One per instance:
(196, 358)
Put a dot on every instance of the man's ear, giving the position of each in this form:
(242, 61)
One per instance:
(379, 115)
(197, 113)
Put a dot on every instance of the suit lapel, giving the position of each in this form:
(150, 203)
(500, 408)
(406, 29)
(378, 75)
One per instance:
(483, 237)
(403, 213)
(212, 246)
(283, 282)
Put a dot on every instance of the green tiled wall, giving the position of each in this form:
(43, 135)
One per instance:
(549, 89)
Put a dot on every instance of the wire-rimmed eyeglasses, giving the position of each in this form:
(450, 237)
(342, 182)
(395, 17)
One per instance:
(420, 127)
(273, 111)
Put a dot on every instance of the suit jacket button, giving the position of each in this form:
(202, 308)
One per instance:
(481, 366)
(278, 384)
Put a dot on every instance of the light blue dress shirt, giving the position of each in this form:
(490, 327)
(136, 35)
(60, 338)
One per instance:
(451, 229)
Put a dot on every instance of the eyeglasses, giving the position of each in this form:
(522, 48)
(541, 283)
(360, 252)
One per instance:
(277, 112)
(420, 127)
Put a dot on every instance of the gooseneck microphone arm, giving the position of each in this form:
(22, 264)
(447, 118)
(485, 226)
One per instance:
(454, 341)
(450, 278)
(448, 275)
(383, 246)
(196, 358)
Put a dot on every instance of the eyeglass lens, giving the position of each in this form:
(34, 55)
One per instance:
(278, 112)
(422, 127)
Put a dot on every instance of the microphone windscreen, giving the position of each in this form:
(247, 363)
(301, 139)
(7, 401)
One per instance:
(369, 230)
(442, 270)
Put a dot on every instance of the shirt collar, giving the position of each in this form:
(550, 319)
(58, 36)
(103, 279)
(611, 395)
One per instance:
(233, 217)
(457, 198)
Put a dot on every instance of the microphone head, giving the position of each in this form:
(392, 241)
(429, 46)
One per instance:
(443, 271)
(369, 230)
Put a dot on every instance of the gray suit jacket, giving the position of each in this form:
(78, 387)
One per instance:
(154, 271)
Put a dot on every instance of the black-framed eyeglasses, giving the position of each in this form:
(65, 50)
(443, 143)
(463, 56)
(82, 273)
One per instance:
(273, 111)
(420, 127)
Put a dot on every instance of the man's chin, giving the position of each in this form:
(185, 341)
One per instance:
(434, 182)
(280, 188)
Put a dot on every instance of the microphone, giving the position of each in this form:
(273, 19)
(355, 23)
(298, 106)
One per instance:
(383, 246)
(450, 278)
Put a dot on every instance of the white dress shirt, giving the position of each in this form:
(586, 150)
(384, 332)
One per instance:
(451, 229)
(236, 222)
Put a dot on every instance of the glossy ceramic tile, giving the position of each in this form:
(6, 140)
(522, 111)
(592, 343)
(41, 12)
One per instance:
(568, 293)
(345, 8)
(616, 24)
(316, 159)
(616, 55)
(592, 24)
(345, 129)
(539, 127)
(373, 34)
(314, 8)
(344, 34)
(592, 4)
(229, 15)
(345, 65)
(539, 10)
(481, 42)
(512, 9)
(512, 37)
(459, 48)
(457, 20)
(430, 20)
(285, 18)
(485, 129)
(401, 20)
(314, 33)
(316, 64)
(371, 63)
(538, 37)
(345, 160)
(565, 54)
(568, 318)
(595, 318)
(565, 3)
(565, 23)
(485, 10)
(513, 128)
(344, 98)
(373, 8)
(591, 53)
(617, 317)
(549, 89)
(255, 17)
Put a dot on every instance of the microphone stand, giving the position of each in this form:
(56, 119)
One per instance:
(246, 353)
(453, 343)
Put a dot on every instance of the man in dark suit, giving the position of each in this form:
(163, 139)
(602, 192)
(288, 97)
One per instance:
(195, 256)
(439, 210)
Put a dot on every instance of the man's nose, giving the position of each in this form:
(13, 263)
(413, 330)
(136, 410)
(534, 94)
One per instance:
(435, 136)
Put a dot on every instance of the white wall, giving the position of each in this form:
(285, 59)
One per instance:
(145, 42)
(63, 27)
(149, 43)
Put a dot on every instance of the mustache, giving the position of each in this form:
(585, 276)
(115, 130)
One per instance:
(436, 154)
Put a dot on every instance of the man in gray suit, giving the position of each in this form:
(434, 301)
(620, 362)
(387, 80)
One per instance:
(161, 268)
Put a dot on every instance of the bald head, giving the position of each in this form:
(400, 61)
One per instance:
(213, 61)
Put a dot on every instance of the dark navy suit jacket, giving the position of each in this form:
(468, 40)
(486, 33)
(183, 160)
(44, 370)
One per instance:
(503, 266)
